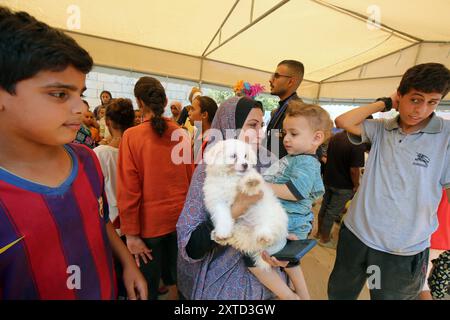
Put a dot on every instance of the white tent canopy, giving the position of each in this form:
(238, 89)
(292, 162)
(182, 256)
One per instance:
(346, 56)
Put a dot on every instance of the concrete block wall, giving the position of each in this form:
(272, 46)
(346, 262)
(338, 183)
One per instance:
(121, 84)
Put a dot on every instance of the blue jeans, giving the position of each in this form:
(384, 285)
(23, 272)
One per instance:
(333, 205)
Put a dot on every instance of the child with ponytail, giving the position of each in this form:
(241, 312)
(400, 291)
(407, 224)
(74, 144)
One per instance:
(152, 187)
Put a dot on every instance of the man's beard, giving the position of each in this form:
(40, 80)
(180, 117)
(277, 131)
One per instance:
(278, 93)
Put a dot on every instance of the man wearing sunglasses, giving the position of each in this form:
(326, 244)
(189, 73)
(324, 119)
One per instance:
(284, 84)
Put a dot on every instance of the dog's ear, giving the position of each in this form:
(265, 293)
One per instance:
(213, 153)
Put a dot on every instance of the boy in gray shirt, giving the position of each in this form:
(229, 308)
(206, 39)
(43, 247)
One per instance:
(386, 234)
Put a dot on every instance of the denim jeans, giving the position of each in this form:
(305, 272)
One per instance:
(391, 277)
(333, 205)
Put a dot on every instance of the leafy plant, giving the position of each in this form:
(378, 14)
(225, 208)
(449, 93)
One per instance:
(269, 102)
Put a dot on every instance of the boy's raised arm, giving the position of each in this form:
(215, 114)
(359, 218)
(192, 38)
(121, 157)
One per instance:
(351, 121)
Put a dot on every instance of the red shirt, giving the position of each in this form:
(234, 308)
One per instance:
(151, 188)
(440, 240)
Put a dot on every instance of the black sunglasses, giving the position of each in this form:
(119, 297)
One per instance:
(276, 75)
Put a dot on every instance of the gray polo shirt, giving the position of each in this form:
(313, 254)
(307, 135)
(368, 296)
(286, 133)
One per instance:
(395, 208)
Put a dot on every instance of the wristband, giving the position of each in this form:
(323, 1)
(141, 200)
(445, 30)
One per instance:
(387, 103)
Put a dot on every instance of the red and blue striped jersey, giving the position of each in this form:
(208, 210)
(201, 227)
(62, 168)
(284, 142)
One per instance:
(53, 241)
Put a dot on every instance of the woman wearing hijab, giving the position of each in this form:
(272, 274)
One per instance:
(207, 270)
(175, 108)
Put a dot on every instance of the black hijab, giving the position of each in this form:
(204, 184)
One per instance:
(243, 108)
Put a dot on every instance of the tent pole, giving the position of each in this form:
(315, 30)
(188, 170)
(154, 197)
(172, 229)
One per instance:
(364, 18)
(363, 79)
(221, 26)
(200, 80)
(276, 7)
(370, 61)
(251, 11)
(318, 93)
(418, 53)
(269, 73)
(437, 42)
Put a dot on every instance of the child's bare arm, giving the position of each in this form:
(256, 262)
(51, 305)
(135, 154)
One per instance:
(298, 280)
(355, 174)
(134, 281)
(272, 280)
(282, 191)
(351, 121)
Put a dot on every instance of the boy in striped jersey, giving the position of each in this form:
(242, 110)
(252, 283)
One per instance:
(56, 241)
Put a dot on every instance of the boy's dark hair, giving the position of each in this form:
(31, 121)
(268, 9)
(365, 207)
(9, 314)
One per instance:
(153, 95)
(427, 78)
(120, 112)
(296, 66)
(207, 104)
(28, 46)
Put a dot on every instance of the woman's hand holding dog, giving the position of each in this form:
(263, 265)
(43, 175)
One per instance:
(243, 202)
(138, 249)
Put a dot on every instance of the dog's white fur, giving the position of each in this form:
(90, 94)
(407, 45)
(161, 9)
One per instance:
(264, 225)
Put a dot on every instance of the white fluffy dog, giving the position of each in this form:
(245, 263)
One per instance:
(264, 225)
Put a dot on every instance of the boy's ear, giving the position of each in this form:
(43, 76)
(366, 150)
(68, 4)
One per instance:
(3, 96)
(319, 138)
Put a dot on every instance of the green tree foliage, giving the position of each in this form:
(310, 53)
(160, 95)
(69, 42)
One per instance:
(269, 102)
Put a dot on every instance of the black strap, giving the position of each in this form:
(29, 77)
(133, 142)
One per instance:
(200, 242)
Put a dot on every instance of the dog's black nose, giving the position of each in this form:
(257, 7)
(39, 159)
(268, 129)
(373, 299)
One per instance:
(245, 166)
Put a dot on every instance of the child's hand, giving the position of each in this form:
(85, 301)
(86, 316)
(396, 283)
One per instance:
(274, 262)
(394, 97)
(135, 283)
(138, 249)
